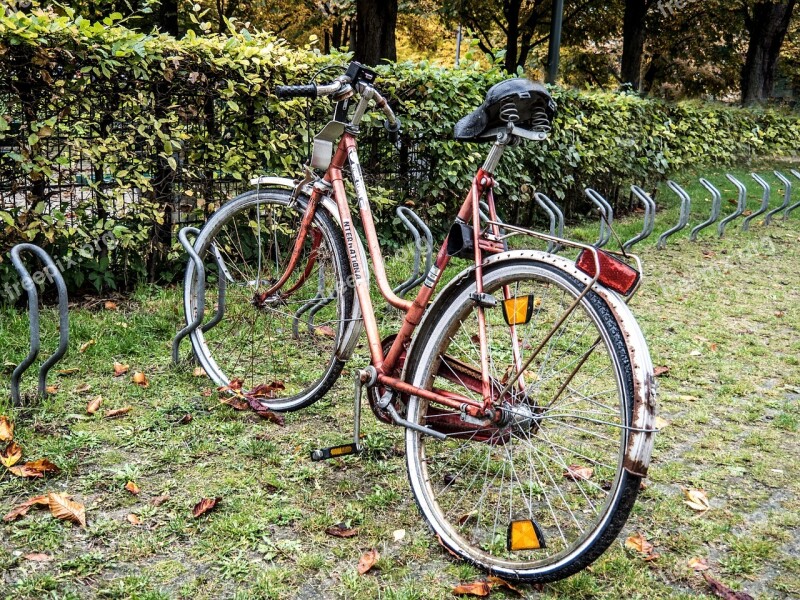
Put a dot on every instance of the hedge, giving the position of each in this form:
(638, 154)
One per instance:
(105, 129)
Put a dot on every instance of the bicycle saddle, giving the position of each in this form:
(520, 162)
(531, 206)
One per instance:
(520, 100)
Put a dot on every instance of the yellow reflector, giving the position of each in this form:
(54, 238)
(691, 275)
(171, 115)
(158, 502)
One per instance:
(518, 310)
(524, 535)
(343, 450)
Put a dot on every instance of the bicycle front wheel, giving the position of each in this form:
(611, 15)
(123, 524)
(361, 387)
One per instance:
(280, 348)
(542, 496)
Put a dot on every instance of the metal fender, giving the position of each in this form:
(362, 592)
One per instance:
(642, 434)
(355, 325)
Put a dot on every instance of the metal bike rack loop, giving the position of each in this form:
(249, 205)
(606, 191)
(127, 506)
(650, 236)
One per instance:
(716, 205)
(606, 216)
(649, 217)
(556, 219)
(740, 205)
(789, 209)
(683, 219)
(417, 276)
(764, 201)
(29, 285)
(787, 197)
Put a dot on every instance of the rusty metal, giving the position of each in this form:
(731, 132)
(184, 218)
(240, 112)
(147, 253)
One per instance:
(29, 284)
(741, 204)
(764, 201)
(787, 197)
(716, 204)
(649, 217)
(683, 219)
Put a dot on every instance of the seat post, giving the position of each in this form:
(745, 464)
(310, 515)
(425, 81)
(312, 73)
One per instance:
(493, 158)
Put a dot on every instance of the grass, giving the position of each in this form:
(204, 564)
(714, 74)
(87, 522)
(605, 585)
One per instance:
(721, 314)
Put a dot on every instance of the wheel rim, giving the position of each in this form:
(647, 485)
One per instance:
(535, 470)
(285, 344)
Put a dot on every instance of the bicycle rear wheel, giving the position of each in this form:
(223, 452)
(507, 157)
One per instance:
(281, 348)
(543, 496)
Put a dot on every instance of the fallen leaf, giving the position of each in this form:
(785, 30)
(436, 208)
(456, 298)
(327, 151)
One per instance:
(661, 423)
(11, 455)
(659, 371)
(398, 534)
(325, 330)
(234, 402)
(6, 429)
(696, 500)
(159, 500)
(187, 418)
(36, 468)
(235, 385)
(199, 372)
(779, 313)
(698, 564)
(110, 305)
(94, 404)
(85, 346)
(498, 582)
(132, 488)
(695, 353)
(713, 346)
(578, 473)
(37, 557)
(478, 588)
(638, 543)
(723, 591)
(120, 369)
(118, 412)
(134, 519)
(65, 509)
(265, 390)
(367, 561)
(274, 417)
(140, 379)
(341, 531)
(68, 371)
(20, 510)
(83, 388)
(206, 392)
(51, 389)
(205, 505)
(441, 543)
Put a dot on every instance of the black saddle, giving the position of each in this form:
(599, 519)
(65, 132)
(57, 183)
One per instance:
(525, 103)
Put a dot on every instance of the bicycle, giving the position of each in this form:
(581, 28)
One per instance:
(525, 387)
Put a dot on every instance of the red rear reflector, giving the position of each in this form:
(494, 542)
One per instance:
(614, 274)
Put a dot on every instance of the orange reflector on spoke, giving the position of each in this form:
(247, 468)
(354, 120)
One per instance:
(524, 535)
(614, 274)
(518, 310)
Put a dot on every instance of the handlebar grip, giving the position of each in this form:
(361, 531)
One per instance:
(296, 91)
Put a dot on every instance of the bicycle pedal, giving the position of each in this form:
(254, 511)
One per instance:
(334, 452)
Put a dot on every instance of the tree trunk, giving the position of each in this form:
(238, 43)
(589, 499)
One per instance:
(511, 9)
(168, 17)
(767, 27)
(375, 31)
(633, 34)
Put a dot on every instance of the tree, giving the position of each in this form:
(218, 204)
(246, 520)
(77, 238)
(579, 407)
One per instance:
(767, 24)
(634, 28)
(376, 23)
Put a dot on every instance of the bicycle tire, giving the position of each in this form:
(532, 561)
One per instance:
(281, 348)
(455, 510)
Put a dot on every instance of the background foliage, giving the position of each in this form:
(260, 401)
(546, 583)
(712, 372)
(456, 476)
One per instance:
(105, 129)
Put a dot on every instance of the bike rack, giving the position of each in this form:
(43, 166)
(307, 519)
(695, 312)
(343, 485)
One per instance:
(764, 201)
(716, 205)
(556, 219)
(606, 216)
(740, 205)
(649, 217)
(200, 278)
(405, 214)
(683, 220)
(29, 285)
(789, 209)
(787, 196)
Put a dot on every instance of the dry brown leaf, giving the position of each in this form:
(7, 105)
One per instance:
(71, 371)
(696, 500)
(85, 346)
(118, 412)
(159, 500)
(341, 531)
(713, 346)
(6, 429)
(11, 455)
(274, 417)
(120, 369)
(36, 468)
(234, 402)
(110, 305)
(83, 388)
(367, 561)
(20, 510)
(132, 488)
(51, 389)
(205, 505)
(134, 519)
(140, 379)
(37, 557)
(199, 372)
(65, 509)
(187, 418)
(638, 543)
(662, 370)
(779, 313)
(94, 404)
(723, 591)
(698, 564)
(497, 582)
(578, 473)
(325, 330)
(478, 588)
